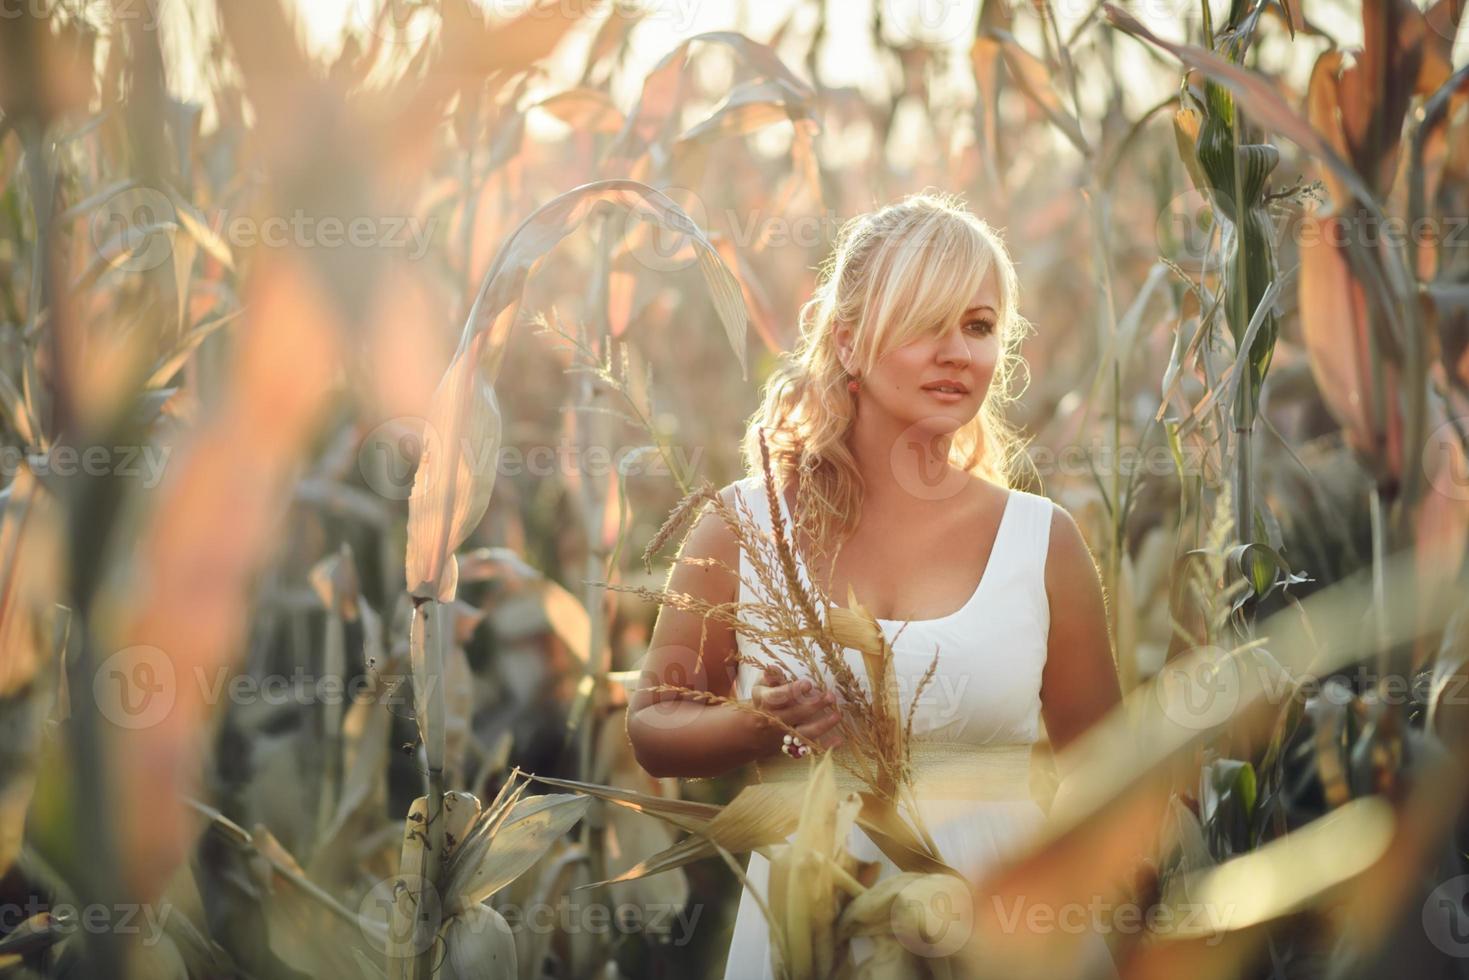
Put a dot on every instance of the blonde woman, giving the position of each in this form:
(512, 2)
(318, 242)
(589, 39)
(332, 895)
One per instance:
(891, 410)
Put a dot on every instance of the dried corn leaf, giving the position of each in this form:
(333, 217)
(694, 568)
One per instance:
(455, 476)
(530, 828)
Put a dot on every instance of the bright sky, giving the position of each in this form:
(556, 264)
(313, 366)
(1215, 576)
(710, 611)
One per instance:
(846, 59)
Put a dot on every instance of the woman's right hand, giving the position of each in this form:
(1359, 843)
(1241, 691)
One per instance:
(800, 705)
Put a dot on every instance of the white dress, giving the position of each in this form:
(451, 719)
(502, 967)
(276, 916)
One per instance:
(985, 692)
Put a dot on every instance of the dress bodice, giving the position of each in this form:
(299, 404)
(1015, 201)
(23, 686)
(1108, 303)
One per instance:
(985, 693)
(991, 651)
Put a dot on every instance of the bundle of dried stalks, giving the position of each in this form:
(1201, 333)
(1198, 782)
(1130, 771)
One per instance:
(799, 634)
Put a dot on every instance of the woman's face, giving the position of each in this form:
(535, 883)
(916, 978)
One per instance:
(905, 383)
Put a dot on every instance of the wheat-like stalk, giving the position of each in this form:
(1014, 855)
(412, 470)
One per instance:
(794, 627)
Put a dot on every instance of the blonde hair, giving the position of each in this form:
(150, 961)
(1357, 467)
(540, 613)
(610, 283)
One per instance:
(895, 274)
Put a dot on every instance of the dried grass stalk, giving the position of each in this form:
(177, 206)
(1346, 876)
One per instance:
(798, 633)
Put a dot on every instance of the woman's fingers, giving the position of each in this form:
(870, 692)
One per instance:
(801, 705)
(805, 706)
(796, 717)
(813, 730)
(799, 693)
(830, 738)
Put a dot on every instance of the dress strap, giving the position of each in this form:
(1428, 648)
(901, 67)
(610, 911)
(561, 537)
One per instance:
(1038, 529)
(752, 492)
(1033, 544)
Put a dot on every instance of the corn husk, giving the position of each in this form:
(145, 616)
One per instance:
(478, 945)
(811, 878)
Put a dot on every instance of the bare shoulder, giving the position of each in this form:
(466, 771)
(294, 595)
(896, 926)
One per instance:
(711, 537)
(1069, 560)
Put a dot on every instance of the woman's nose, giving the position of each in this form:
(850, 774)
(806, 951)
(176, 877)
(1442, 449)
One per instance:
(954, 350)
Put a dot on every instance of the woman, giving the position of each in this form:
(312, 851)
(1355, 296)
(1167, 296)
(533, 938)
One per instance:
(892, 410)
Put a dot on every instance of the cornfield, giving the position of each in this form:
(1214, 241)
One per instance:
(361, 363)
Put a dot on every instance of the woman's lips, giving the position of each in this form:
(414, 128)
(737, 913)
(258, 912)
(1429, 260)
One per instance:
(947, 396)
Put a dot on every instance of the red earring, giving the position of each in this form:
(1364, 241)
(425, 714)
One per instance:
(853, 385)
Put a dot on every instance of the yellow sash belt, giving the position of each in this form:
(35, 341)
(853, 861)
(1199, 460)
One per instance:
(941, 770)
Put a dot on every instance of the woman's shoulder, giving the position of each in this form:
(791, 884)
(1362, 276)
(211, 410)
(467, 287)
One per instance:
(1055, 531)
(1038, 500)
(709, 534)
(1067, 553)
(750, 489)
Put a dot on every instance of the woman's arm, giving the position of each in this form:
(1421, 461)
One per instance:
(1079, 682)
(674, 736)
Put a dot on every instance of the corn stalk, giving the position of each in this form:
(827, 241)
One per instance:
(450, 494)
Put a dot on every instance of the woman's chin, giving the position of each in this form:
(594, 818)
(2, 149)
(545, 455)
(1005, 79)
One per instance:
(943, 420)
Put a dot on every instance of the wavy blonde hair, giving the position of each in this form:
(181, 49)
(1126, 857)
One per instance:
(895, 274)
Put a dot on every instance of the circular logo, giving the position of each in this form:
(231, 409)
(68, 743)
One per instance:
(397, 452)
(1186, 225)
(397, 21)
(1443, 460)
(928, 480)
(134, 228)
(135, 688)
(1200, 689)
(1445, 920)
(933, 915)
(668, 712)
(410, 907)
(930, 22)
(662, 243)
(389, 455)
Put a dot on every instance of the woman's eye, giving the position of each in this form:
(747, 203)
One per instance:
(982, 326)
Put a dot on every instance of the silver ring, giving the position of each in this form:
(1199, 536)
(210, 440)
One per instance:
(794, 747)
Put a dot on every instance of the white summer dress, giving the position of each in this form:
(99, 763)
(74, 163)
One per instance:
(985, 693)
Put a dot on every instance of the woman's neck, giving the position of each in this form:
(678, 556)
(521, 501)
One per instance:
(899, 464)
